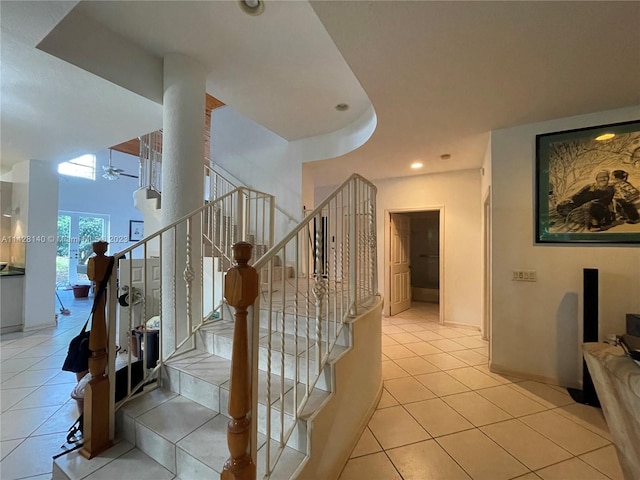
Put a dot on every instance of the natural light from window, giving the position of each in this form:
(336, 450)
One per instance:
(83, 167)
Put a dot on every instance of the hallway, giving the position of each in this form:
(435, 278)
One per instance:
(443, 415)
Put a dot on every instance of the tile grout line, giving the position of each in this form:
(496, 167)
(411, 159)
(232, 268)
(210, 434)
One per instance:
(511, 383)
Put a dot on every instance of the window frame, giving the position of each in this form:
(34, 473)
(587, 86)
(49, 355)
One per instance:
(76, 166)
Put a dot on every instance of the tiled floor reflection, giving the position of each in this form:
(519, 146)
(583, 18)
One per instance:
(444, 416)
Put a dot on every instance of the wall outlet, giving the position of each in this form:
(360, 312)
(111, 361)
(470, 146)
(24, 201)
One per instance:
(524, 276)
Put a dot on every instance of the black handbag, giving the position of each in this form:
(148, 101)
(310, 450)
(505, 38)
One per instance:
(78, 354)
(77, 359)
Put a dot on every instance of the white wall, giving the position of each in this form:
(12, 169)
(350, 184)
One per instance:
(35, 192)
(459, 195)
(536, 327)
(259, 159)
(107, 197)
(264, 161)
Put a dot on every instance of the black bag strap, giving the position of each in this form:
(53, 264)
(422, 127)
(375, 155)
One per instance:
(100, 292)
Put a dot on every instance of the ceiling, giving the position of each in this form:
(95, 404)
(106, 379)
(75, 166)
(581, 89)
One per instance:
(80, 76)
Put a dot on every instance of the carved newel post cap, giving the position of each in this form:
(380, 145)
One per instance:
(241, 281)
(100, 247)
(242, 252)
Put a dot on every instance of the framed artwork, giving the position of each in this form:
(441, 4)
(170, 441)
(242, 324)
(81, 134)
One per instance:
(588, 185)
(136, 230)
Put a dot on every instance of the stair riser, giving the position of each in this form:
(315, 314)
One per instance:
(324, 382)
(157, 447)
(289, 327)
(298, 439)
(193, 388)
(222, 346)
(204, 342)
(151, 443)
(178, 460)
(190, 468)
(216, 397)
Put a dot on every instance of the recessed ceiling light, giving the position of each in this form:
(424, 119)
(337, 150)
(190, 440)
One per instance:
(605, 136)
(416, 165)
(252, 7)
(342, 107)
(445, 156)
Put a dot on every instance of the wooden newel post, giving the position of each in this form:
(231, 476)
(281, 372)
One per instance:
(96, 395)
(241, 290)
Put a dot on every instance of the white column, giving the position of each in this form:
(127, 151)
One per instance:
(182, 137)
(35, 193)
(182, 190)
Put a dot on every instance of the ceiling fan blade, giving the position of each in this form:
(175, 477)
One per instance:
(128, 175)
(110, 175)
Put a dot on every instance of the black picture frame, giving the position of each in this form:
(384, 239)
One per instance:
(573, 202)
(136, 230)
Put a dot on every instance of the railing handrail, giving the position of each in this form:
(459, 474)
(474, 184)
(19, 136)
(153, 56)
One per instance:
(208, 167)
(260, 263)
(156, 234)
(314, 281)
(287, 215)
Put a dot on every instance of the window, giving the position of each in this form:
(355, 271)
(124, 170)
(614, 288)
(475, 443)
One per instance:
(83, 167)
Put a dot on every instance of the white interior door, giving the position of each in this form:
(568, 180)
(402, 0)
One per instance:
(400, 268)
(144, 294)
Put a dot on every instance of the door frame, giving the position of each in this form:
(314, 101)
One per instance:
(74, 236)
(485, 329)
(387, 255)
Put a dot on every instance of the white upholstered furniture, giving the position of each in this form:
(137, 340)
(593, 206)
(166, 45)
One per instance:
(617, 381)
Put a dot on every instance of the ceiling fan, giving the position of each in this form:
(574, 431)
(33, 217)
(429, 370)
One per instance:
(113, 173)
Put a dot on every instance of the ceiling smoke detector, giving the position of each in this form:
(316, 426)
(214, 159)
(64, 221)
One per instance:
(252, 7)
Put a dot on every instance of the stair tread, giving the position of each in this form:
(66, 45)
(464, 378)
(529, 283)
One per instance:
(169, 418)
(316, 399)
(205, 366)
(143, 403)
(224, 328)
(122, 458)
(288, 463)
(208, 444)
(214, 369)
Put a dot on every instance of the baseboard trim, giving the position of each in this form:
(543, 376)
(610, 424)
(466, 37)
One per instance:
(462, 325)
(499, 369)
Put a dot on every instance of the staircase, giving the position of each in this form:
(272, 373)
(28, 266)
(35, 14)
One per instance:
(316, 320)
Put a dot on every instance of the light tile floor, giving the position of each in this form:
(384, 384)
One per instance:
(444, 416)
(36, 407)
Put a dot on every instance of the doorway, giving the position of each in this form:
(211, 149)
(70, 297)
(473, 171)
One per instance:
(414, 251)
(76, 232)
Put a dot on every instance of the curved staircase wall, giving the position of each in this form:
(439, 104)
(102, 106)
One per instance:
(336, 428)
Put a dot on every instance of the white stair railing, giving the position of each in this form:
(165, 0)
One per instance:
(201, 244)
(150, 161)
(216, 184)
(150, 170)
(311, 283)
